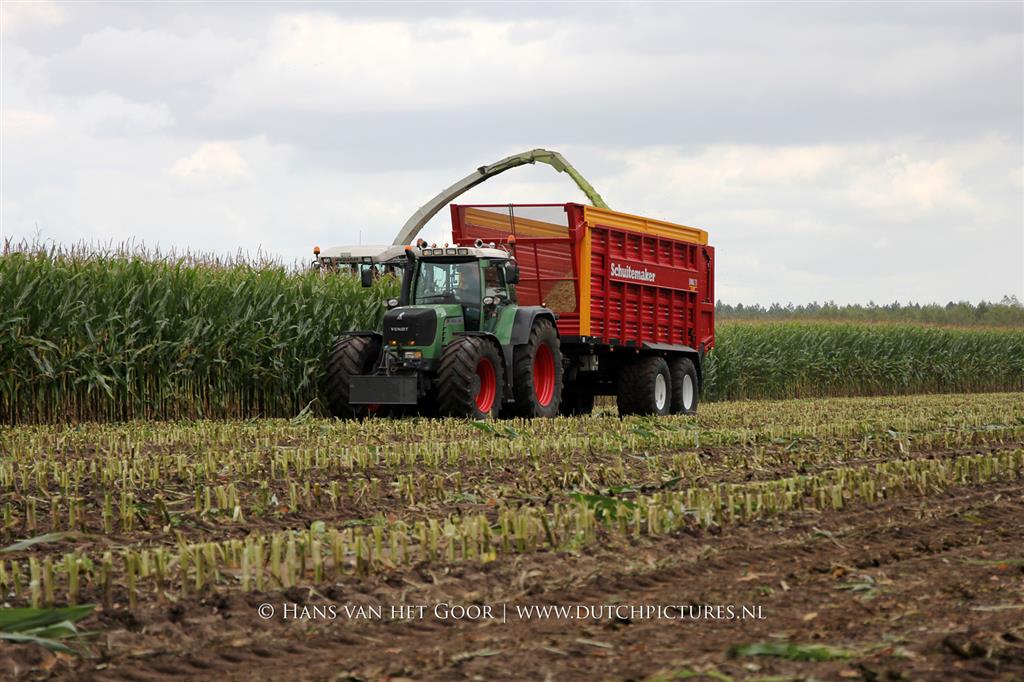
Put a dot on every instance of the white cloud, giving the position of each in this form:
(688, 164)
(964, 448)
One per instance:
(907, 184)
(21, 123)
(848, 222)
(18, 16)
(149, 63)
(108, 114)
(212, 165)
(318, 62)
(913, 67)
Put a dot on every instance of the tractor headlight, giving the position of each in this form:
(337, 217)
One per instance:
(412, 354)
(392, 302)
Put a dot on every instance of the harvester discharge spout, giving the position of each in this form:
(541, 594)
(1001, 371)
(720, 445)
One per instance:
(420, 218)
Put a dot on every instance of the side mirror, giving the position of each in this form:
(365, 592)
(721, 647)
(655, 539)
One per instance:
(367, 277)
(511, 273)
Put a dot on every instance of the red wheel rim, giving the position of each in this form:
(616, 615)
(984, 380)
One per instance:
(488, 385)
(544, 375)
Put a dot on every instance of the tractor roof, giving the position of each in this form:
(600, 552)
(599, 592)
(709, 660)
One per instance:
(463, 252)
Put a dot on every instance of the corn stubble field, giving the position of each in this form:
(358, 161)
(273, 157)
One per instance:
(880, 536)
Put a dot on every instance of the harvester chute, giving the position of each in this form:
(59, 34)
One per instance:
(423, 215)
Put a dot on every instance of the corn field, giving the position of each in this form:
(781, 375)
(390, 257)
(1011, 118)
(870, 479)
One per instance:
(115, 337)
(808, 359)
(118, 336)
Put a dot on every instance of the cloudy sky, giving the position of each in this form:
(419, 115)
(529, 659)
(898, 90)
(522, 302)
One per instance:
(849, 152)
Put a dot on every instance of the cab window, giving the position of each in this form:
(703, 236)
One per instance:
(439, 282)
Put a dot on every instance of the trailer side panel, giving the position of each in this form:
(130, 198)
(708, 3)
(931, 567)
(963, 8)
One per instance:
(613, 278)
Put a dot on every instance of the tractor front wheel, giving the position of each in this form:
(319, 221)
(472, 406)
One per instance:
(351, 356)
(470, 379)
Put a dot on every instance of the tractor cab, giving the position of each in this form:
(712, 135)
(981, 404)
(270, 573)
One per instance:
(447, 292)
(475, 281)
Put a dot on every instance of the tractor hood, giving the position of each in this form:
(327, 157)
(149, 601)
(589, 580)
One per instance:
(410, 326)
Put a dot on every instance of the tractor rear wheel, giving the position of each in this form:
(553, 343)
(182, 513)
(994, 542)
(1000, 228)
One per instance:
(685, 386)
(351, 356)
(537, 373)
(470, 379)
(645, 386)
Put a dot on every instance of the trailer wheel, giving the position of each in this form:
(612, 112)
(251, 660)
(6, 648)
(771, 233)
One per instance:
(537, 372)
(685, 386)
(645, 387)
(577, 400)
(470, 379)
(351, 356)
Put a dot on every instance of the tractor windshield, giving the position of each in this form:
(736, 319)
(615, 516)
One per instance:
(440, 282)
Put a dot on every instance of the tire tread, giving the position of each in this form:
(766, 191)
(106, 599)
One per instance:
(635, 394)
(351, 356)
(526, 404)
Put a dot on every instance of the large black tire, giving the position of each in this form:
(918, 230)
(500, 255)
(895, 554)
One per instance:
(470, 379)
(645, 387)
(351, 356)
(577, 399)
(537, 372)
(685, 386)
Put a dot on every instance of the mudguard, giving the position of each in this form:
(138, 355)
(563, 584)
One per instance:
(672, 349)
(360, 332)
(523, 323)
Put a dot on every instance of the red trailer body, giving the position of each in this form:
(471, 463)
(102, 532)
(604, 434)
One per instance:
(614, 279)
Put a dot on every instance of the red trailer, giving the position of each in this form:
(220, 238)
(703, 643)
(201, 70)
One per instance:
(634, 297)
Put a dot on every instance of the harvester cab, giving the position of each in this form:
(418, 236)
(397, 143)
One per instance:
(367, 262)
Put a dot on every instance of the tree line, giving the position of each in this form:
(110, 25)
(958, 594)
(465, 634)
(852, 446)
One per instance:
(1008, 312)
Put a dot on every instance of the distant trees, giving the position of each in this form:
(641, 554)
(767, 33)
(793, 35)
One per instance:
(1009, 312)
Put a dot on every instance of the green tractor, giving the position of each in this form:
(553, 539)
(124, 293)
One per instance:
(455, 344)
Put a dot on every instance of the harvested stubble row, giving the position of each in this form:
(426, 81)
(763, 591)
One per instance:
(55, 497)
(188, 508)
(245, 471)
(86, 336)
(312, 556)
